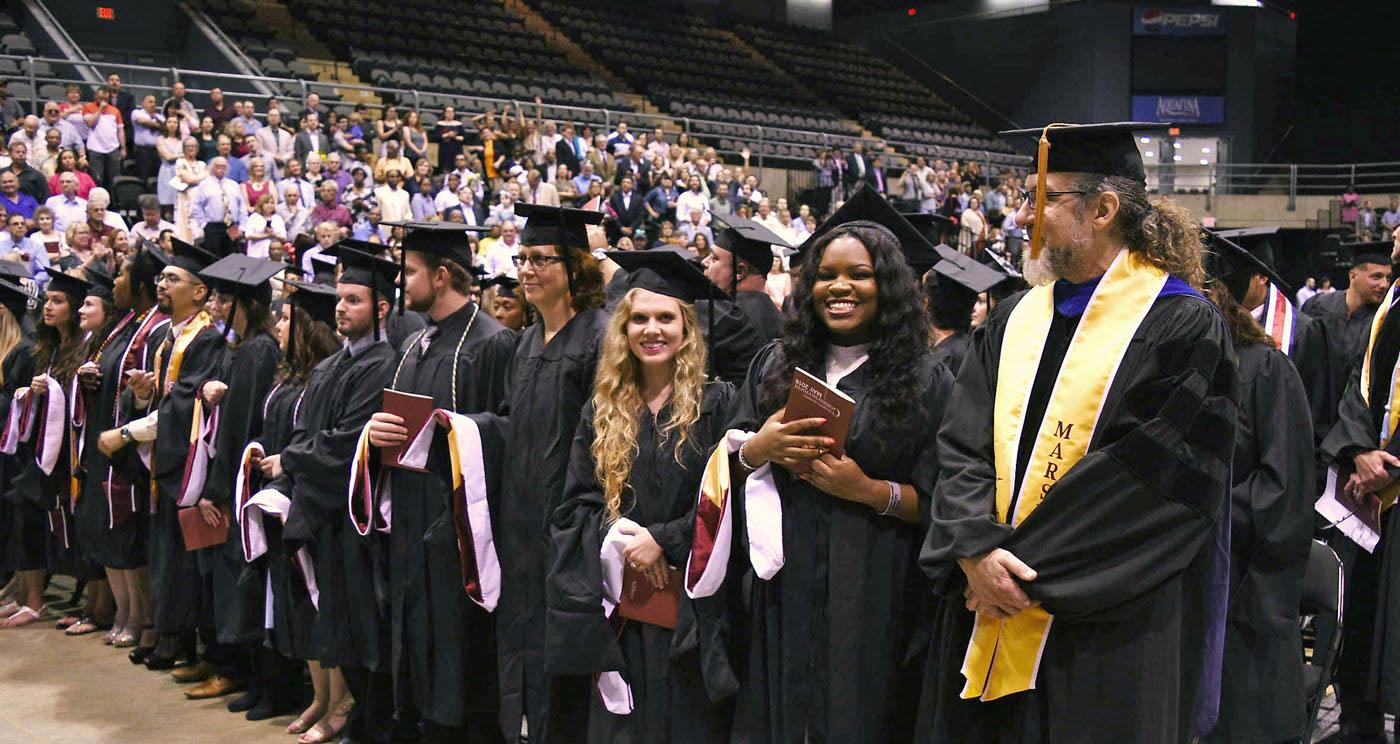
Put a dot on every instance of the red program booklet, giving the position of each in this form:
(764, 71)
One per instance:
(415, 411)
(643, 602)
(197, 533)
(811, 397)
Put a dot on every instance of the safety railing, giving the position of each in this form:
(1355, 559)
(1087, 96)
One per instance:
(755, 136)
(1278, 179)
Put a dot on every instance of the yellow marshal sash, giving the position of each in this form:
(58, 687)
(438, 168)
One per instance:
(1003, 656)
(177, 355)
(1392, 410)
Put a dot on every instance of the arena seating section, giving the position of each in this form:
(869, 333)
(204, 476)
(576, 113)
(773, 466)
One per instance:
(805, 88)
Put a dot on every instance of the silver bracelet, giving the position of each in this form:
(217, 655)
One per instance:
(895, 495)
(742, 462)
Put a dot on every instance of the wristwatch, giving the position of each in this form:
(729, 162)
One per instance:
(126, 435)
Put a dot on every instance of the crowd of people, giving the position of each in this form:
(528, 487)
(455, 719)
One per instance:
(458, 451)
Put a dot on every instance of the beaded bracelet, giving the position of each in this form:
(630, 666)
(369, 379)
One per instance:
(742, 462)
(895, 495)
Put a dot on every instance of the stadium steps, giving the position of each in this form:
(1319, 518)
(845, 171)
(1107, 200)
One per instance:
(567, 48)
(273, 14)
(782, 74)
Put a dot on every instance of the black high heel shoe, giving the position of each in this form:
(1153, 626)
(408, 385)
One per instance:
(139, 654)
(157, 662)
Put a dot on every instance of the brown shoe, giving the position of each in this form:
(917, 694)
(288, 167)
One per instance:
(193, 673)
(216, 686)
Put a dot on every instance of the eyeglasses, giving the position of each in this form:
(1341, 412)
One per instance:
(1029, 196)
(536, 261)
(168, 280)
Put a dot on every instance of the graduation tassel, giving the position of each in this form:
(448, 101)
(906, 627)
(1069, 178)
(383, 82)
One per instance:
(291, 330)
(228, 323)
(403, 272)
(374, 308)
(1042, 161)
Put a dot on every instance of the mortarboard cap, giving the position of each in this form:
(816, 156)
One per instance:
(191, 258)
(1234, 265)
(14, 298)
(1370, 252)
(317, 300)
(1257, 240)
(365, 269)
(506, 285)
(443, 239)
(323, 267)
(557, 226)
(1108, 149)
(749, 240)
(72, 285)
(928, 224)
(14, 269)
(242, 275)
(101, 282)
(666, 273)
(149, 260)
(966, 272)
(868, 206)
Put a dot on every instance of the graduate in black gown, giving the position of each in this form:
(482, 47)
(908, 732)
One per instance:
(507, 303)
(1261, 693)
(16, 371)
(242, 288)
(1099, 594)
(186, 356)
(636, 465)
(950, 292)
(1344, 318)
(551, 379)
(442, 641)
(1364, 458)
(739, 262)
(823, 593)
(350, 633)
(111, 516)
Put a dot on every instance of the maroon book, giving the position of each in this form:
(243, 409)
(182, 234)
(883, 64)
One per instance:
(197, 533)
(643, 602)
(811, 397)
(415, 410)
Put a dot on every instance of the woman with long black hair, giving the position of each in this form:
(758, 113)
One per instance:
(629, 497)
(42, 479)
(824, 592)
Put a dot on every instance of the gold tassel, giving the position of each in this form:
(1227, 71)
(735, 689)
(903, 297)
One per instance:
(1042, 158)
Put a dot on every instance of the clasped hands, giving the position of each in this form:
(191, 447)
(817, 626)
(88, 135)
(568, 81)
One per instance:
(787, 445)
(1371, 476)
(992, 588)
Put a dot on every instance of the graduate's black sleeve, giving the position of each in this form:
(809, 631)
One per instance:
(1354, 430)
(1273, 504)
(675, 536)
(200, 363)
(493, 369)
(962, 513)
(323, 457)
(736, 340)
(579, 639)
(1134, 513)
(19, 372)
(249, 373)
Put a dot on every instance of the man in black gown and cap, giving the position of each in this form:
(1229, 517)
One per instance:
(739, 262)
(1079, 531)
(350, 630)
(444, 654)
(189, 354)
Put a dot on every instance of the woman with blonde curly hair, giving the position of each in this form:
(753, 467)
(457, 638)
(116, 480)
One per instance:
(636, 466)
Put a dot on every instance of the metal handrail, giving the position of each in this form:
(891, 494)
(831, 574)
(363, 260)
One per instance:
(762, 133)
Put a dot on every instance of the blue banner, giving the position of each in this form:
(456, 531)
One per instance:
(1180, 109)
(1149, 20)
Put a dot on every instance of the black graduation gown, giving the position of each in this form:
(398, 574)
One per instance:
(736, 339)
(122, 545)
(25, 545)
(662, 666)
(951, 350)
(249, 371)
(293, 613)
(399, 327)
(1271, 525)
(1326, 373)
(548, 388)
(175, 578)
(1369, 602)
(761, 311)
(444, 657)
(826, 650)
(342, 392)
(1129, 539)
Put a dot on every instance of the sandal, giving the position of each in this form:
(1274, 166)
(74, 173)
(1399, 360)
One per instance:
(110, 636)
(67, 622)
(125, 639)
(84, 626)
(25, 616)
(10, 607)
(319, 735)
(305, 721)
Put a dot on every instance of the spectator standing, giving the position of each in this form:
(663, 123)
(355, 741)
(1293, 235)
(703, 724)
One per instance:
(693, 198)
(208, 140)
(391, 161)
(329, 209)
(1366, 220)
(388, 128)
(296, 217)
(695, 226)
(1390, 219)
(626, 206)
(146, 127)
(177, 98)
(29, 134)
(10, 107)
(276, 142)
(218, 110)
(106, 143)
(258, 184)
(237, 171)
(219, 209)
(658, 147)
(1351, 207)
(469, 207)
(856, 170)
(294, 179)
(47, 160)
(68, 163)
(633, 164)
(311, 140)
(393, 198)
(151, 225)
(359, 196)
(1307, 291)
(71, 109)
(972, 235)
(52, 120)
(661, 200)
(12, 199)
(248, 117)
(336, 173)
(450, 136)
(191, 171)
(67, 206)
(620, 141)
(264, 227)
(415, 138)
(46, 235)
(31, 181)
(422, 204)
(539, 192)
(568, 191)
(169, 147)
(499, 257)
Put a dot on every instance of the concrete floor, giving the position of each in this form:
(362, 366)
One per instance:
(60, 690)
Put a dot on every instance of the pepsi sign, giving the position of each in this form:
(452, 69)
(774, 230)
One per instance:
(1158, 21)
